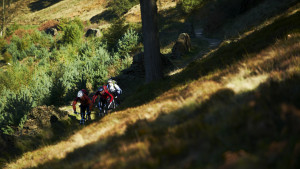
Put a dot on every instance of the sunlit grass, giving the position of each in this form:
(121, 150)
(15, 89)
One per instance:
(84, 9)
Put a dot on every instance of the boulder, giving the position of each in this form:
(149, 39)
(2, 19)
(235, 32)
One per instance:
(93, 32)
(182, 46)
(51, 31)
(41, 118)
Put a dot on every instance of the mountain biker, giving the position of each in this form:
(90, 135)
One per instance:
(106, 99)
(114, 89)
(86, 105)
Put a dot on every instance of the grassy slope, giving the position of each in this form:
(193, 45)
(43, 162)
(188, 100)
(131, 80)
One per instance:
(236, 108)
(34, 13)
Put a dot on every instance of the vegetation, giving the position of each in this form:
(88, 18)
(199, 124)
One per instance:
(188, 6)
(120, 7)
(48, 70)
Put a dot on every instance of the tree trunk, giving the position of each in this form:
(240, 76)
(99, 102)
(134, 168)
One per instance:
(152, 59)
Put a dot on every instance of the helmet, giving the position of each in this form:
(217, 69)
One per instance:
(80, 94)
(100, 89)
(109, 81)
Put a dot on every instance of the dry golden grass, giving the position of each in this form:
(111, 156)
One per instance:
(134, 14)
(83, 9)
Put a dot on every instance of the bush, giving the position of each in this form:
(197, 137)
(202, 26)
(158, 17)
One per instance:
(11, 29)
(41, 38)
(42, 53)
(3, 45)
(15, 77)
(120, 7)
(18, 46)
(17, 106)
(114, 33)
(7, 57)
(72, 34)
(40, 87)
(189, 6)
(128, 42)
(85, 50)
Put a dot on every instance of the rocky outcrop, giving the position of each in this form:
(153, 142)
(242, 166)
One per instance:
(93, 33)
(51, 31)
(182, 46)
(40, 118)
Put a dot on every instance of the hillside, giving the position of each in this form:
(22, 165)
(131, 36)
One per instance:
(35, 12)
(232, 105)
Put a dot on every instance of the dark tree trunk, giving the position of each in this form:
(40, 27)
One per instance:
(153, 62)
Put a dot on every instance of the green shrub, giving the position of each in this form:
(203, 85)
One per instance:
(120, 7)
(7, 57)
(11, 29)
(18, 105)
(189, 6)
(54, 55)
(128, 42)
(32, 50)
(14, 77)
(30, 61)
(57, 90)
(22, 121)
(72, 34)
(78, 22)
(22, 43)
(42, 53)
(42, 38)
(18, 46)
(3, 45)
(40, 86)
(36, 37)
(85, 50)
(114, 33)
(7, 129)
(127, 61)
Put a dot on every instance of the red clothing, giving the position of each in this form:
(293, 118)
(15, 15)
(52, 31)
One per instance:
(105, 95)
(85, 101)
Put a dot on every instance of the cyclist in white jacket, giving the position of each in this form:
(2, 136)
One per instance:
(114, 89)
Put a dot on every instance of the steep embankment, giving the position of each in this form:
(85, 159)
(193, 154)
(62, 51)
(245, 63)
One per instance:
(238, 107)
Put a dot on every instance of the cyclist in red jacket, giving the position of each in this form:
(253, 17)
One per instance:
(106, 100)
(86, 105)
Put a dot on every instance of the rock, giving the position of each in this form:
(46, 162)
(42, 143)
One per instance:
(138, 62)
(51, 31)
(182, 46)
(93, 32)
(41, 118)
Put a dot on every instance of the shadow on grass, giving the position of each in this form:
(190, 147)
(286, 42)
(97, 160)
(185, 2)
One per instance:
(170, 26)
(59, 130)
(42, 4)
(107, 15)
(226, 55)
(200, 137)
